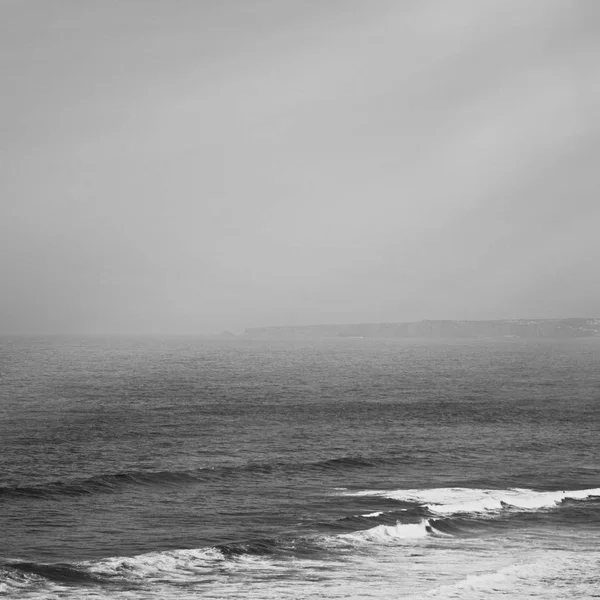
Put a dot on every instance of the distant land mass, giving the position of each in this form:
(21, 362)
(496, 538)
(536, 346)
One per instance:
(518, 328)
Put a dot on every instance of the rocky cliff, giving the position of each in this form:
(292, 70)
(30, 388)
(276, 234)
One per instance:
(521, 328)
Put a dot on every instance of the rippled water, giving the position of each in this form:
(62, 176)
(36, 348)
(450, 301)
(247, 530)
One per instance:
(188, 468)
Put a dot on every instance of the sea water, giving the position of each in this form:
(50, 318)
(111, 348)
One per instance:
(345, 468)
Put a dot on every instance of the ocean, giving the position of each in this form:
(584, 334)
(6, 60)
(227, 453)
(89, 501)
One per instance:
(189, 467)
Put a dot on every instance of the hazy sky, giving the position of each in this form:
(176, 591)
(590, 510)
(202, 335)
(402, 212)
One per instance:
(196, 165)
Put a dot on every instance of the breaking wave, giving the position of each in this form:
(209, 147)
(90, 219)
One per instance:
(383, 534)
(270, 557)
(449, 501)
(193, 566)
(174, 566)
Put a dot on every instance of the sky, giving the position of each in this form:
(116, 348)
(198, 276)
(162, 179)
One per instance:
(194, 166)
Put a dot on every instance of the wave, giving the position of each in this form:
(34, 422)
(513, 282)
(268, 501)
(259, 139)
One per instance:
(200, 565)
(449, 501)
(106, 483)
(63, 573)
(446, 571)
(115, 482)
(352, 523)
(259, 547)
(211, 563)
(383, 534)
(169, 567)
(174, 566)
(273, 556)
(345, 462)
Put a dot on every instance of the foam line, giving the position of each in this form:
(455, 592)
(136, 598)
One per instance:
(467, 500)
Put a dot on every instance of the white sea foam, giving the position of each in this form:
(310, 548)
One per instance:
(373, 514)
(468, 500)
(550, 575)
(390, 533)
(182, 565)
(552, 568)
(385, 558)
(12, 582)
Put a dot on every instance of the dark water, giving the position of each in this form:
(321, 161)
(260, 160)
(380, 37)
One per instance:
(188, 468)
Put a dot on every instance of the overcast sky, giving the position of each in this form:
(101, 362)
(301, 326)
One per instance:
(191, 166)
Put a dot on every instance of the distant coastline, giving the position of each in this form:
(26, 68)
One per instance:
(495, 329)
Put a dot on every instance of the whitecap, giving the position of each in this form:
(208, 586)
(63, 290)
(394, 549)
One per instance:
(474, 500)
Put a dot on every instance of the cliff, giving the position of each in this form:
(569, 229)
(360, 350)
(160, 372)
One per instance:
(521, 328)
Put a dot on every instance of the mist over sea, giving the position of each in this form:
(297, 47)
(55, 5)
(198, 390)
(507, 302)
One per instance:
(134, 468)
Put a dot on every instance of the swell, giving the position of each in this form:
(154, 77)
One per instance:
(108, 483)
(169, 566)
(177, 567)
(193, 565)
(420, 521)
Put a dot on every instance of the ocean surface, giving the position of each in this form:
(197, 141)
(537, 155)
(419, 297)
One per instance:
(346, 468)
